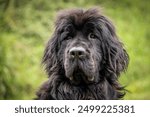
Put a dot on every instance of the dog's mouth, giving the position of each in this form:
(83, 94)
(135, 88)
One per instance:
(79, 77)
(79, 73)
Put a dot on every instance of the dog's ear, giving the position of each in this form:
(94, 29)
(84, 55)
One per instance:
(115, 56)
(50, 59)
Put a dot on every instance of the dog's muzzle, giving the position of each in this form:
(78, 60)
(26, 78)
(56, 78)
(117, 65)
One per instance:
(78, 65)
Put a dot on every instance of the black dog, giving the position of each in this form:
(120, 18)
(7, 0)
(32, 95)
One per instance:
(84, 58)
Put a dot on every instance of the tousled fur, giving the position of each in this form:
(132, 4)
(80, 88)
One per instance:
(109, 56)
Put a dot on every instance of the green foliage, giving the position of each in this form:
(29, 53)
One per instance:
(26, 25)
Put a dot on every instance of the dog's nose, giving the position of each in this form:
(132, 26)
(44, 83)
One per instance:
(77, 52)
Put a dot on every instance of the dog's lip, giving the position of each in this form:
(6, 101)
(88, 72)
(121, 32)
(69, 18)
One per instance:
(78, 76)
(90, 79)
(71, 78)
(87, 80)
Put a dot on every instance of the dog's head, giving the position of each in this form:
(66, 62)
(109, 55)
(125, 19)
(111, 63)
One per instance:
(84, 48)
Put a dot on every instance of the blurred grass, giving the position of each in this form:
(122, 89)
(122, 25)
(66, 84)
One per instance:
(26, 25)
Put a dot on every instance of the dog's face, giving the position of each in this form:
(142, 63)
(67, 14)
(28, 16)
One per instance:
(80, 50)
(85, 47)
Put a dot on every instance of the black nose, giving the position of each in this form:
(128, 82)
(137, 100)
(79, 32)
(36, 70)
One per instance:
(77, 52)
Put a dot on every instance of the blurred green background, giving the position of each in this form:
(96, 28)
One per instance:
(26, 25)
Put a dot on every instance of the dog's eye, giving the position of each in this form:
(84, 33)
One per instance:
(92, 36)
(68, 37)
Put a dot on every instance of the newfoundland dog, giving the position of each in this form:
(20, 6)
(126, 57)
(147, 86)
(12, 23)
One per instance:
(83, 59)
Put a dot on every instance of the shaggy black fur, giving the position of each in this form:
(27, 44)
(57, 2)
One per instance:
(84, 58)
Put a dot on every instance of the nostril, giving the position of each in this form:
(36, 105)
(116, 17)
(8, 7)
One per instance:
(77, 52)
(80, 53)
(72, 53)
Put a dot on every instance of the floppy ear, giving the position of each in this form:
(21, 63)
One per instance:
(115, 56)
(50, 60)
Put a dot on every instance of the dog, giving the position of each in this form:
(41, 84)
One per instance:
(84, 58)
